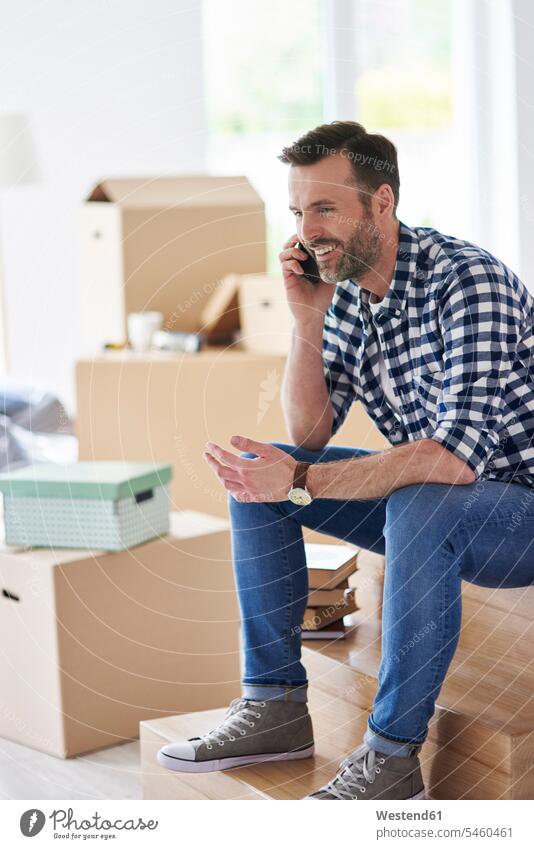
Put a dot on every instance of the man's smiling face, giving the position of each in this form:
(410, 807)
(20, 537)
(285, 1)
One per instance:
(331, 220)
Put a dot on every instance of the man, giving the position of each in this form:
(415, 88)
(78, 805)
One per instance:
(435, 337)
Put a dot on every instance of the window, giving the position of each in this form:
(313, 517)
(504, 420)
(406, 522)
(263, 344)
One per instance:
(264, 75)
(402, 79)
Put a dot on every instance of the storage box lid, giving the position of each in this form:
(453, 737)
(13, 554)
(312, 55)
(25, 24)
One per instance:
(93, 479)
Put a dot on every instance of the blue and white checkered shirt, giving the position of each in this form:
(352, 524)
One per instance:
(456, 329)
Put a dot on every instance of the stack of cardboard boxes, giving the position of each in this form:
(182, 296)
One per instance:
(194, 249)
(101, 640)
(96, 641)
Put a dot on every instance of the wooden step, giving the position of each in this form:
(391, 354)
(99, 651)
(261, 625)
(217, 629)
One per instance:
(482, 735)
(338, 729)
(481, 738)
(464, 757)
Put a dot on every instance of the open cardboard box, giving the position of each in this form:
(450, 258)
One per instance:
(250, 309)
(162, 243)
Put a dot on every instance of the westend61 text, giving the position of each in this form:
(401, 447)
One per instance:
(408, 815)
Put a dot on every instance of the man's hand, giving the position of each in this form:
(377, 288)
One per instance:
(307, 301)
(267, 477)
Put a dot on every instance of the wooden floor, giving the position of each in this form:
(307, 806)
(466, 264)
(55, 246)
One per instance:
(481, 740)
(107, 774)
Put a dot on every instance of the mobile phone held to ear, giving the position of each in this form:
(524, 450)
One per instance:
(309, 266)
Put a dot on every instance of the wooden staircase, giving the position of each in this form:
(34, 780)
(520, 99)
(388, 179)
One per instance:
(481, 738)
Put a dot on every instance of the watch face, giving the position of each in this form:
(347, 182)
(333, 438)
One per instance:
(300, 496)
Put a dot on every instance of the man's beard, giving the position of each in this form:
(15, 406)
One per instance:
(359, 253)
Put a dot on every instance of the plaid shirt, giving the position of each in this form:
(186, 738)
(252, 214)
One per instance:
(456, 332)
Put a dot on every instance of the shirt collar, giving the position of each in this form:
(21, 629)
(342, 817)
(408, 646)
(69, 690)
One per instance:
(394, 302)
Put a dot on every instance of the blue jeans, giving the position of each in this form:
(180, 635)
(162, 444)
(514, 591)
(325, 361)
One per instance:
(433, 535)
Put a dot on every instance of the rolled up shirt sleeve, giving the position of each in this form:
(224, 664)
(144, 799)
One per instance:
(338, 382)
(480, 321)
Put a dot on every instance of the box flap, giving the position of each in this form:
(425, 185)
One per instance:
(220, 317)
(201, 190)
(104, 479)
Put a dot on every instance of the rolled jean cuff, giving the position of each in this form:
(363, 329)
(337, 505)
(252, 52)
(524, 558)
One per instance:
(276, 692)
(390, 747)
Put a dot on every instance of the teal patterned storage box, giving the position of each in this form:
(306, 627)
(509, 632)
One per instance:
(103, 505)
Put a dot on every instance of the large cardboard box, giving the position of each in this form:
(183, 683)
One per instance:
(93, 643)
(165, 407)
(162, 244)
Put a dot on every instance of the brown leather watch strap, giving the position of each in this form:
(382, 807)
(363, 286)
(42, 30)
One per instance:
(299, 478)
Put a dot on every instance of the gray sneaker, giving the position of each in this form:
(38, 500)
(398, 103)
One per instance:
(251, 732)
(367, 774)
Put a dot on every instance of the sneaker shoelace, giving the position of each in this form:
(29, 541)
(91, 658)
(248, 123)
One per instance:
(355, 771)
(235, 718)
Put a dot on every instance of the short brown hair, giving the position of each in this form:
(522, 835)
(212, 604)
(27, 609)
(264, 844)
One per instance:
(373, 157)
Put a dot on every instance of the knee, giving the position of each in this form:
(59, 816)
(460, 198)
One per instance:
(416, 507)
(238, 510)
(402, 501)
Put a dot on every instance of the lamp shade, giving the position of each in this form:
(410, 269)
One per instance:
(18, 164)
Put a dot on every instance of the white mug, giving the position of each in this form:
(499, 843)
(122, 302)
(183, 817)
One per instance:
(141, 327)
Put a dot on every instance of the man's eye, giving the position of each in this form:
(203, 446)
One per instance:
(297, 213)
(324, 210)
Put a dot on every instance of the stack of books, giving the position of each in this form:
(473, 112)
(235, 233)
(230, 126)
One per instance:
(330, 597)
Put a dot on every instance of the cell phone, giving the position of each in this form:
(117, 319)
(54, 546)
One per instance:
(309, 266)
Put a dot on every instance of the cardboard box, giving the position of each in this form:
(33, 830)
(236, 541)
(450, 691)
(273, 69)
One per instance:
(161, 243)
(252, 310)
(93, 643)
(266, 320)
(165, 407)
(99, 504)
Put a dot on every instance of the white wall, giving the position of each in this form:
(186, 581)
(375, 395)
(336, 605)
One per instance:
(523, 22)
(111, 87)
(485, 153)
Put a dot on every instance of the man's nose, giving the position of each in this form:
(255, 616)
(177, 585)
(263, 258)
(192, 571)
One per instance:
(311, 230)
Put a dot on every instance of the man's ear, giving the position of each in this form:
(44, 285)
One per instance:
(384, 200)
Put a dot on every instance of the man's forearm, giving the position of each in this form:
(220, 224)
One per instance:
(378, 475)
(305, 400)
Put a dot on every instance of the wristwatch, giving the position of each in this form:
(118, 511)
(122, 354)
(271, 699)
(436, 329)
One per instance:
(298, 494)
